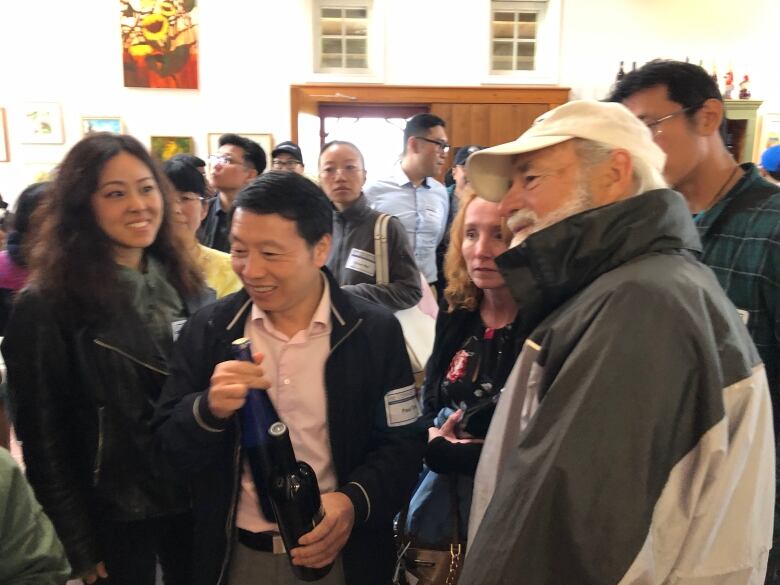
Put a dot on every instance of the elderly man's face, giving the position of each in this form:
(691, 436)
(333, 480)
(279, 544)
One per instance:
(547, 187)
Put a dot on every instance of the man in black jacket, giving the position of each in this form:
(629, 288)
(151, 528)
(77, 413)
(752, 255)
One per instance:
(337, 372)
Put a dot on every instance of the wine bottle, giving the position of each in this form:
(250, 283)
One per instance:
(621, 73)
(295, 497)
(257, 415)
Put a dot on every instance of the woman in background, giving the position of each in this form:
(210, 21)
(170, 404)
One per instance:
(474, 351)
(86, 351)
(13, 260)
(190, 207)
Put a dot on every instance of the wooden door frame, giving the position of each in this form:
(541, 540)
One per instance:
(307, 98)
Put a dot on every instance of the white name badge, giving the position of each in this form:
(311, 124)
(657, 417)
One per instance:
(176, 328)
(362, 261)
(401, 406)
(744, 315)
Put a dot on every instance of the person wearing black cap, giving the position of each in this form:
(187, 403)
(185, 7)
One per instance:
(287, 156)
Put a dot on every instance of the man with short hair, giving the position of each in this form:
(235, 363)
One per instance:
(633, 440)
(770, 164)
(352, 257)
(237, 161)
(413, 195)
(287, 156)
(736, 212)
(336, 370)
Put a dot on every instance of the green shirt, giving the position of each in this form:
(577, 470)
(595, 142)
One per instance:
(157, 302)
(741, 238)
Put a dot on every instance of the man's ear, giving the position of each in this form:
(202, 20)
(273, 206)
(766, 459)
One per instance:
(709, 117)
(613, 179)
(321, 250)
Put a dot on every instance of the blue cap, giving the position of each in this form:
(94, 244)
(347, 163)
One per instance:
(770, 160)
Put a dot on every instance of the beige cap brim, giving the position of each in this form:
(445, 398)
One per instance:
(490, 170)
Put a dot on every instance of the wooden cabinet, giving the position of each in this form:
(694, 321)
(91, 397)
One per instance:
(486, 115)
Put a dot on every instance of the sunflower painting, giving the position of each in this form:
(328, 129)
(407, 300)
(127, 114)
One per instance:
(160, 43)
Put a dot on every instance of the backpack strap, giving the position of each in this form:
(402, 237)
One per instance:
(380, 249)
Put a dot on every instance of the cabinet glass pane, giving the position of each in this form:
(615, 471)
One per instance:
(525, 56)
(503, 30)
(526, 30)
(502, 49)
(357, 62)
(357, 13)
(356, 46)
(331, 61)
(355, 28)
(330, 46)
(502, 63)
(331, 13)
(330, 27)
(504, 16)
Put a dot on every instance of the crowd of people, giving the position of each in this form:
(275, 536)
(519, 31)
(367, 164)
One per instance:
(599, 403)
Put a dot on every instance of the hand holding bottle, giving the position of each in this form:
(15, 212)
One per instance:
(231, 382)
(321, 546)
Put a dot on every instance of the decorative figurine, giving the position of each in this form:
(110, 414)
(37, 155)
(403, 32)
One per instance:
(620, 73)
(729, 88)
(744, 88)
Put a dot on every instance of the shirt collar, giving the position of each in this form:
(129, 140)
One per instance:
(705, 219)
(320, 320)
(400, 177)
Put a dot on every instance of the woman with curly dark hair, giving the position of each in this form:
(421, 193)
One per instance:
(86, 350)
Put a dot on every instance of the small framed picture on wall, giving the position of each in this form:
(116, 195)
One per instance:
(3, 137)
(92, 124)
(42, 123)
(164, 147)
(264, 140)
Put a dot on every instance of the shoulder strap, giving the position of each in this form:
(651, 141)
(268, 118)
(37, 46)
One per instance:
(380, 249)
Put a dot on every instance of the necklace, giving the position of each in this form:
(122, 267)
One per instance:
(720, 192)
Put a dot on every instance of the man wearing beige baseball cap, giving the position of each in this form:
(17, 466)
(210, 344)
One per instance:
(633, 441)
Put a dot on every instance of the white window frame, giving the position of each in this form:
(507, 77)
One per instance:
(375, 42)
(548, 40)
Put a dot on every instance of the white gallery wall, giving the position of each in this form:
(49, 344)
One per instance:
(251, 51)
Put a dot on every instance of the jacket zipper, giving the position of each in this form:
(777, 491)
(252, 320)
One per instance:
(99, 453)
(234, 502)
(105, 345)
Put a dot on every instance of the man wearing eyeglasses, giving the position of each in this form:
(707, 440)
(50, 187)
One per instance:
(737, 212)
(413, 195)
(287, 156)
(237, 161)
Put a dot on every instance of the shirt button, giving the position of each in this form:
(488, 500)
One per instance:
(287, 381)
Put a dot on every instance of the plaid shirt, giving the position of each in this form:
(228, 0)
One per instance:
(741, 237)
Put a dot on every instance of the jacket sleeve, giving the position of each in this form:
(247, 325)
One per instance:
(187, 435)
(39, 379)
(30, 551)
(403, 290)
(383, 484)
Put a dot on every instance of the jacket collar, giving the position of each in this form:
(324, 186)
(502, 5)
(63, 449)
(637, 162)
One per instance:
(355, 212)
(554, 264)
(230, 317)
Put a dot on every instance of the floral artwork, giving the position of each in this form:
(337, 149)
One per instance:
(160, 43)
(164, 147)
(42, 124)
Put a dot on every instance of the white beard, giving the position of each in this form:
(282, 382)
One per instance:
(581, 200)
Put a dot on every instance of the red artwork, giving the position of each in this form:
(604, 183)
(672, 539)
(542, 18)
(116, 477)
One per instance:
(160, 43)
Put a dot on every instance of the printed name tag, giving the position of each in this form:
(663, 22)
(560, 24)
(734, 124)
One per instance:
(401, 407)
(176, 328)
(362, 261)
(744, 315)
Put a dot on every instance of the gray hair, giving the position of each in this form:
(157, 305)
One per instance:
(646, 177)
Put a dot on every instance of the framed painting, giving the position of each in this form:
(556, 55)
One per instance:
(164, 147)
(42, 124)
(264, 140)
(92, 124)
(160, 43)
(3, 137)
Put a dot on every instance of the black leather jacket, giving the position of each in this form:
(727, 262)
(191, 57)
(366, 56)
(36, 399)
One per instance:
(82, 398)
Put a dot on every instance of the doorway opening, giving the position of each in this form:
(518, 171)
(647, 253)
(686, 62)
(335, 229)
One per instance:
(377, 130)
